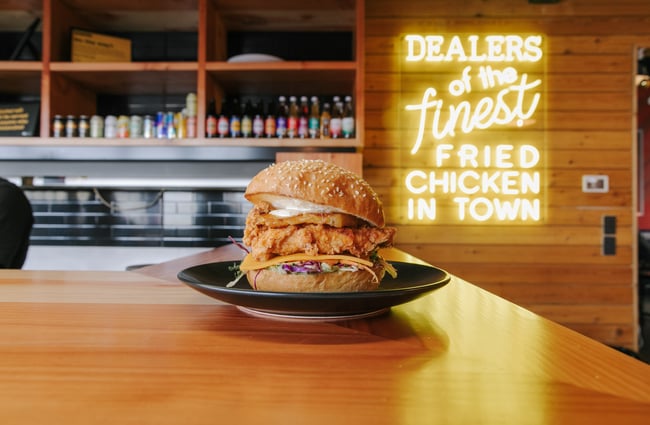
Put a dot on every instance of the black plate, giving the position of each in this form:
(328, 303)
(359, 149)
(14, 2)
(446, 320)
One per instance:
(413, 281)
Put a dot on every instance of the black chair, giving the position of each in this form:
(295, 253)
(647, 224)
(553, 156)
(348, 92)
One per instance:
(16, 221)
(644, 269)
(644, 296)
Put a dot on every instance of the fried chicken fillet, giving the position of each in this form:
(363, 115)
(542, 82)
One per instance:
(313, 234)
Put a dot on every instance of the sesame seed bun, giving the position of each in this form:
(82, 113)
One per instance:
(320, 183)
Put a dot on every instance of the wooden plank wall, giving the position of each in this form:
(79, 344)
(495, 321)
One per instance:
(556, 268)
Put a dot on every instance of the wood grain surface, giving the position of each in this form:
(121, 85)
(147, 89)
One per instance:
(142, 348)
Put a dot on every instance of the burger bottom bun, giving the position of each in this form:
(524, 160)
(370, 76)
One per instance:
(341, 281)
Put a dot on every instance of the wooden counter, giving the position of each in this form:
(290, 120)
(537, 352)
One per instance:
(142, 348)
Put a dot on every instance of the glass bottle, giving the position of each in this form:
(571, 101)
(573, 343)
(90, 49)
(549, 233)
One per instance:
(336, 122)
(348, 118)
(57, 126)
(97, 126)
(325, 118)
(84, 126)
(314, 118)
(211, 121)
(269, 122)
(235, 119)
(247, 120)
(190, 115)
(303, 120)
(292, 119)
(281, 118)
(70, 126)
(223, 123)
(258, 122)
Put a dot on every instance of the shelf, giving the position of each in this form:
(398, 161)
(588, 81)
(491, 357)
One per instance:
(210, 150)
(283, 78)
(216, 142)
(197, 35)
(141, 15)
(287, 15)
(132, 77)
(17, 15)
(20, 77)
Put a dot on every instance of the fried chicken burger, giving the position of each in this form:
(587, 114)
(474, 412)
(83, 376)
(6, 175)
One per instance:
(314, 227)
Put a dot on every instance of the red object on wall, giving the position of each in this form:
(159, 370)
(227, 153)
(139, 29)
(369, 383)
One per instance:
(643, 123)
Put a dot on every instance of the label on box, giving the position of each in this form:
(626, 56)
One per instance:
(93, 47)
(18, 119)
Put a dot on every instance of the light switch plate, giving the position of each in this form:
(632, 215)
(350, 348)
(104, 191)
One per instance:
(595, 183)
(609, 245)
(609, 224)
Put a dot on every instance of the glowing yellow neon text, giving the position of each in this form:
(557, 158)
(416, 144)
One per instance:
(487, 180)
(512, 105)
(473, 48)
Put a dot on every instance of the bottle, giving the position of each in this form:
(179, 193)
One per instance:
(247, 120)
(303, 120)
(149, 127)
(110, 127)
(211, 121)
(170, 125)
(235, 119)
(292, 120)
(223, 123)
(96, 126)
(57, 126)
(70, 126)
(347, 124)
(325, 117)
(269, 122)
(314, 118)
(161, 130)
(84, 126)
(190, 105)
(281, 118)
(190, 115)
(180, 120)
(258, 122)
(336, 122)
(135, 126)
(123, 123)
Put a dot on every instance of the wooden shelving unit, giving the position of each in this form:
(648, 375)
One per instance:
(66, 88)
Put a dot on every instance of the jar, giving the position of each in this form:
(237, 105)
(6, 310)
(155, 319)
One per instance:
(135, 126)
(70, 126)
(84, 126)
(57, 126)
(123, 127)
(110, 127)
(96, 126)
(190, 104)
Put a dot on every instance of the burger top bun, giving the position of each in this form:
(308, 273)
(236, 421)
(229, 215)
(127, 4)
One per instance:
(326, 186)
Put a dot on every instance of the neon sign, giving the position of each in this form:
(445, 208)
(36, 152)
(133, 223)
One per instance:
(463, 128)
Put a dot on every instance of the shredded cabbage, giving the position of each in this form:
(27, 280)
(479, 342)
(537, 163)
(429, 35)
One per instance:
(311, 266)
(238, 275)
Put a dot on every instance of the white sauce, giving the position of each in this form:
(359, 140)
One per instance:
(288, 207)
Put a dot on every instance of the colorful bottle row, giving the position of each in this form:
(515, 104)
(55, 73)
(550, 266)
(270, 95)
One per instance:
(163, 125)
(292, 119)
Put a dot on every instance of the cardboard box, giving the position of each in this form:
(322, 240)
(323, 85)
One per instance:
(93, 47)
